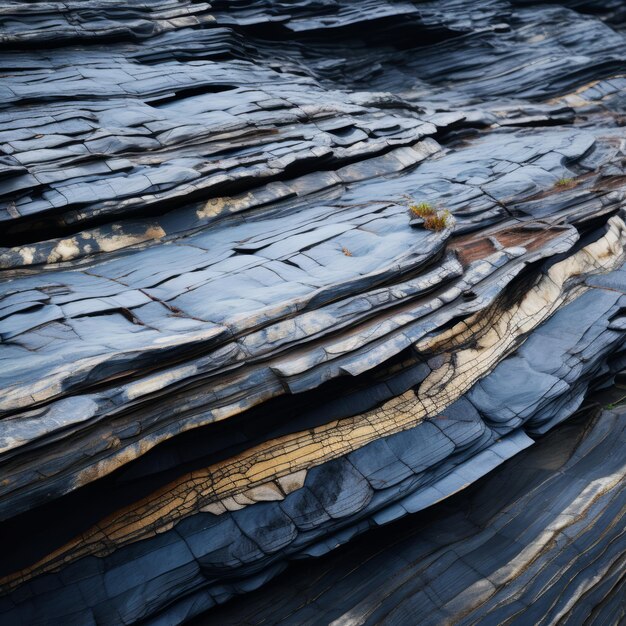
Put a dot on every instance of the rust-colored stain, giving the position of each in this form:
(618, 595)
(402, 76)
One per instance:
(475, 246)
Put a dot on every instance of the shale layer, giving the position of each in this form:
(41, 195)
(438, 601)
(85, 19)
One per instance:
(274, 274)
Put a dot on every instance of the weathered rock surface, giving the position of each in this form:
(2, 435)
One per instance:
(540, 540)
(225, 343)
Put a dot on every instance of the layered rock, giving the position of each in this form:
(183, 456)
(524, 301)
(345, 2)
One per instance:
(517, 547)
(226, 341)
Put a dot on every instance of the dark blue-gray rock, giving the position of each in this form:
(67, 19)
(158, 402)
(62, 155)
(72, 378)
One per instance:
(275, 275)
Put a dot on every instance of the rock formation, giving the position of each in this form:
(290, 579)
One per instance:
(539, 540)
(231, 338)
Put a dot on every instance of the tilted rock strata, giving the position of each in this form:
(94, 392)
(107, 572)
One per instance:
(379, 484)
(241, 478)
(225, 342)
(557, 507)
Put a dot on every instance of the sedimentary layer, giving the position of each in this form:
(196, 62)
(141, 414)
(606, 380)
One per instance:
(273, 276)
(483, 556)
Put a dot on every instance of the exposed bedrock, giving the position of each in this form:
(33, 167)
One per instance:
(539, 540)
(275, 274)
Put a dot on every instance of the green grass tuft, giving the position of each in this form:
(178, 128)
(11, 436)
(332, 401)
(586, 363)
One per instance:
(439, 221)
(422, 209)
(564, 182)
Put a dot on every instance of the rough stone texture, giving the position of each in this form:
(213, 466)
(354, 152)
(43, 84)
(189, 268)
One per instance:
(226, 343)
(540, 540)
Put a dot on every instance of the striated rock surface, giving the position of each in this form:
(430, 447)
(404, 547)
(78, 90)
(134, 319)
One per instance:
(540, 540)
(227, 343)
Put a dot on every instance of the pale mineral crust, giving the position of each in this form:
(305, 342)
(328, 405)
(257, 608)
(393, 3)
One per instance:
(227, 343)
